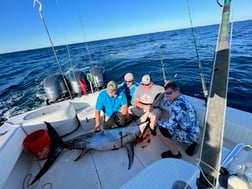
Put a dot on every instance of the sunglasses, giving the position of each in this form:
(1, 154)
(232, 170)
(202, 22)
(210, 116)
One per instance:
(145, 84)
(128, 81)
(168, 92)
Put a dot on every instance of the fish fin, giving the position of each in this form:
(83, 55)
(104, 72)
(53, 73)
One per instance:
(51, 159)
(56, 147)
(130, 150)
(57, 141)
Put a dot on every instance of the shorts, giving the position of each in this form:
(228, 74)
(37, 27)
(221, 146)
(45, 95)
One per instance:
(107, 122)
(139, 111)
(177, 134)
(116, 120)
(164, 132)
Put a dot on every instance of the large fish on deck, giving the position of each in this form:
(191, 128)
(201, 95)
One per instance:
(112, 139)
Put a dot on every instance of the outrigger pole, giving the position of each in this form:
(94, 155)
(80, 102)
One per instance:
(50, 39)
(210, 155)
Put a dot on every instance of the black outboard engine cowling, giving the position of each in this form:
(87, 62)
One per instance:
(55, 88)
(97, 73)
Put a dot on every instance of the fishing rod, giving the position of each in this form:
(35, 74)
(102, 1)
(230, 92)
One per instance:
(203, 83)
(73, 73)
(162, 66)
(53, 48)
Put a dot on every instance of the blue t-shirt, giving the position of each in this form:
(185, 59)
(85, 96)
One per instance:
(110, 105)
(129, 92)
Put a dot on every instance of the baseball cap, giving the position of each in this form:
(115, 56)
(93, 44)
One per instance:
(146, 79)
(128, 77)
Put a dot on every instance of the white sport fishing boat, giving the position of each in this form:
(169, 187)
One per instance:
(108, 169)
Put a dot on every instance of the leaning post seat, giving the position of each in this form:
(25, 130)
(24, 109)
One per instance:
(62, 116)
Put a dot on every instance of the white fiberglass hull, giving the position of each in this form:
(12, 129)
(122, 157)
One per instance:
(97, 169)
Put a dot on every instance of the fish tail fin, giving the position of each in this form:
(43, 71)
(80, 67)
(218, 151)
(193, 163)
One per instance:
(56, 147)
(130, 150)
(54, 136)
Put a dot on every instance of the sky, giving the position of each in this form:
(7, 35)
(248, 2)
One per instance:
(74, 21)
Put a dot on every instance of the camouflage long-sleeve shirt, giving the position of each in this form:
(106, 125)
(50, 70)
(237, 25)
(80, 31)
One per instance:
(183, 124)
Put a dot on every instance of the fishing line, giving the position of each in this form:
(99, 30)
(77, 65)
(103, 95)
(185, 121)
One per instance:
(203, 83)
(90, 76)
(27, 180)
(180, 177)
(202, 172)
(85, 40)
(68, 52)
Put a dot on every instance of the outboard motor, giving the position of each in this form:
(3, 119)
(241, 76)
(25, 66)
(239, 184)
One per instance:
(97, 73)
(76, 79)
(55, 88)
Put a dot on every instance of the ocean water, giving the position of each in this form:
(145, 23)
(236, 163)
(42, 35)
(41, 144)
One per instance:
(22, 73)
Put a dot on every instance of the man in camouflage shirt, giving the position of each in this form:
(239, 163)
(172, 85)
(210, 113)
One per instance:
(182, 125)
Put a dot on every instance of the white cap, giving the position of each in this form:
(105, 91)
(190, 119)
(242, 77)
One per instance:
(146, 79)
(128, 77)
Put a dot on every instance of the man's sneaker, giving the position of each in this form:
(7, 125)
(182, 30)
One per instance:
(191, 148)
(168, 154)
(97, 129)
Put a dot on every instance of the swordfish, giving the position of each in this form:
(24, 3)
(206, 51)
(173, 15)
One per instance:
(111, 139)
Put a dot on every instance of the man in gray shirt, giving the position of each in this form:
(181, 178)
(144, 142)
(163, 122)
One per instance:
(145, 96)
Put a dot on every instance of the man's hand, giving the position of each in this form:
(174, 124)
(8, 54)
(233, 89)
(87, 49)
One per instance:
(148, 108)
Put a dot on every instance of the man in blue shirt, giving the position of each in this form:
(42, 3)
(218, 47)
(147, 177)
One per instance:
(111, 103)
(128, 87)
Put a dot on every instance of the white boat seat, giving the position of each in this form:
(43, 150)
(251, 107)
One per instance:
(163, 173)
(62, 117)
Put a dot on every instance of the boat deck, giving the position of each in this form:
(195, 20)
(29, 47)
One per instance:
(104, 169)
(101, 169)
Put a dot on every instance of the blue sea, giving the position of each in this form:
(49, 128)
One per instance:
(22, 73)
